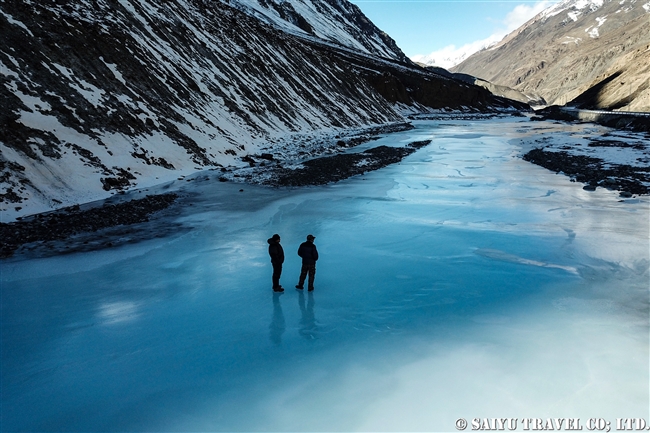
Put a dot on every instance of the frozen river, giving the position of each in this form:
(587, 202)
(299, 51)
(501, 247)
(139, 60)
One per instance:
(460, 283)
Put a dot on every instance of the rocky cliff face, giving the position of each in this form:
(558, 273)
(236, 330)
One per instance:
(572, 47)
(105, 95)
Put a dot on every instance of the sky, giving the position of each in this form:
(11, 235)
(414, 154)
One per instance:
(443, 30)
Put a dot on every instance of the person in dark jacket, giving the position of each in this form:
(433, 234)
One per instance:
(309, 254)
(277, 258)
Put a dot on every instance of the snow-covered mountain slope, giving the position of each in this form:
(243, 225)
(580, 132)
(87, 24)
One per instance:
(105, 95)
(336, 21)
(574, 46)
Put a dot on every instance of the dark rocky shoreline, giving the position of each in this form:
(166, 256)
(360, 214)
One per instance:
(335, 168)
(593, 172)
(583, 162)
(612, 120)
(73, 221)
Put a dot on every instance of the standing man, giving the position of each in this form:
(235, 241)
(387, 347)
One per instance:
(277, 258)
(309, 254)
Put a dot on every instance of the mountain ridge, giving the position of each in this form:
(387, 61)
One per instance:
(346, 25)
(571, 47)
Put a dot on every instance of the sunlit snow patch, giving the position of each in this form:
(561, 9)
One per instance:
(117, 312)
(503, 256)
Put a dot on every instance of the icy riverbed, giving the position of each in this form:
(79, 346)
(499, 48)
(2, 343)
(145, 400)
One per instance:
(460, 283)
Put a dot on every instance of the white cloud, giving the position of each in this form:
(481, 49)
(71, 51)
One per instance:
(450, 55)
(522, 13)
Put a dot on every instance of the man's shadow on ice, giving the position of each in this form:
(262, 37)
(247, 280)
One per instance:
(308, 326)
(277, 327)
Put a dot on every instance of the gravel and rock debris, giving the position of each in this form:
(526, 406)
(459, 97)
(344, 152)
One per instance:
(334, 168)
(594, 172)
(73, 221)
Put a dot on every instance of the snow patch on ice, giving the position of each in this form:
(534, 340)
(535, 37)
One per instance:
(117, 312)
(503, 256)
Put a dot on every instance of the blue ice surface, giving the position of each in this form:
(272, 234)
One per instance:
(461, 283)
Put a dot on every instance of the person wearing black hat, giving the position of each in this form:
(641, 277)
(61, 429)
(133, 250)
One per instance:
(309, 254)
(277, 258)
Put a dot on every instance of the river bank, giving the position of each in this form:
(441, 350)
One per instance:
(614, 160)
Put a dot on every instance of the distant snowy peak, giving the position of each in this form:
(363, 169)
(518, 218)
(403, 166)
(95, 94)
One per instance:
(575, 6)
(576, 9)
(451, 56)
(589, 15)
(575, 47)
(335, 21)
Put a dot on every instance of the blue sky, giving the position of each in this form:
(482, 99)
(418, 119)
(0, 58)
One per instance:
(425, 26)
